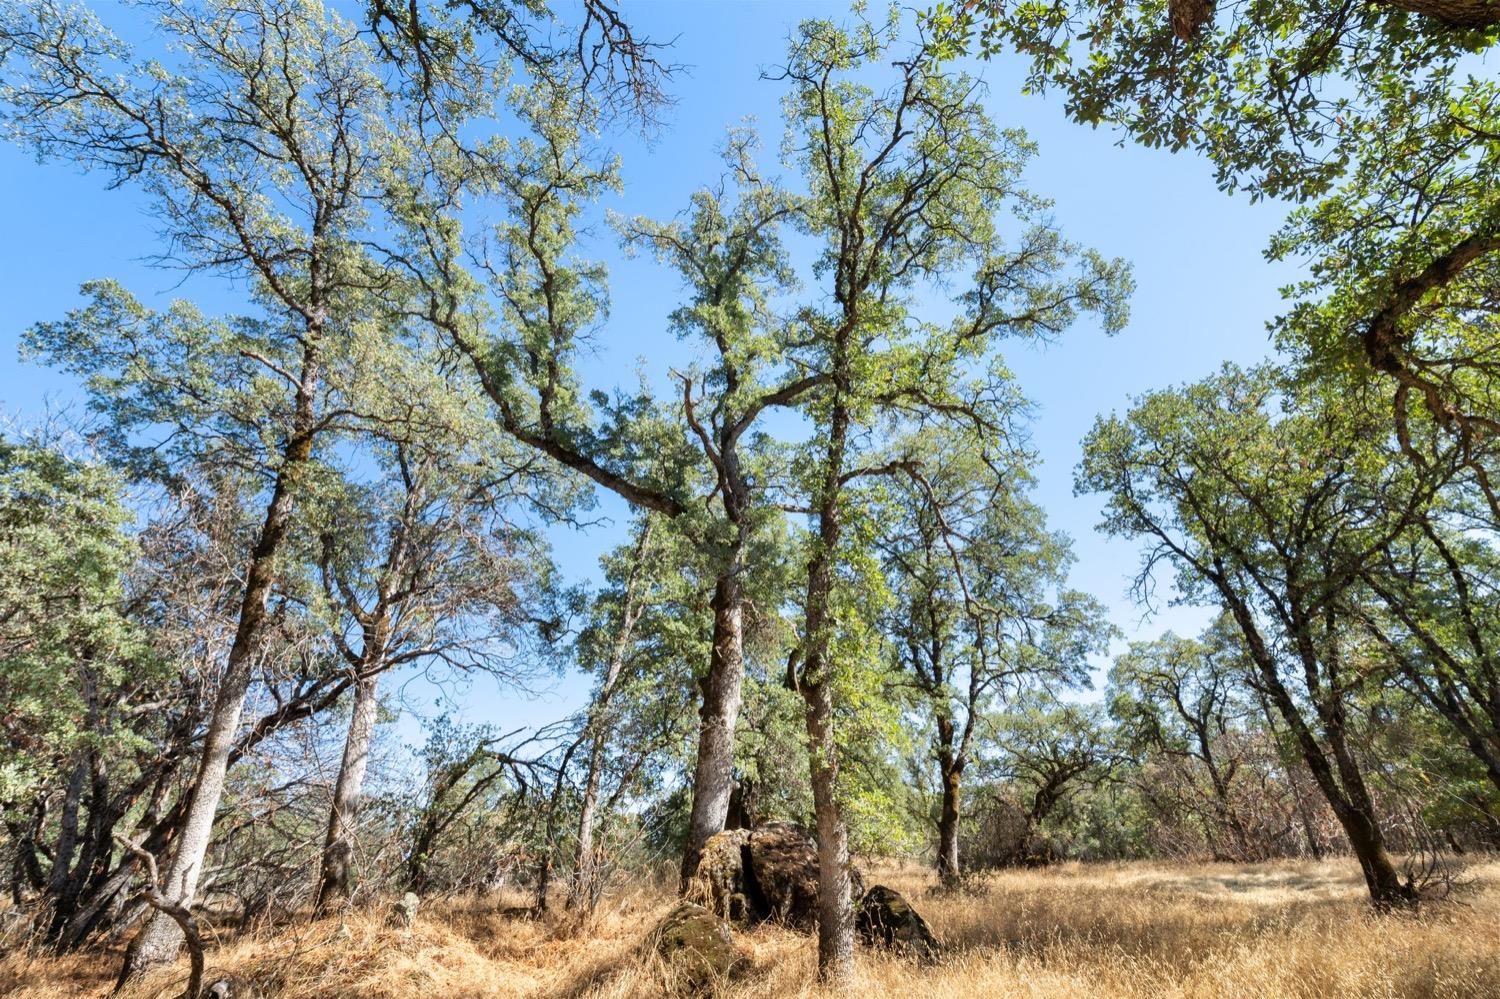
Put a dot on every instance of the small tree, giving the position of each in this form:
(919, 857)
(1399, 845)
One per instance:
(1180, 700)
(421, 566)
(979, 609)
(1045, 751)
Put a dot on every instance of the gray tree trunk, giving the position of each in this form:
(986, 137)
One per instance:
(334, 885)
(162, 938)
(584, 869)
(835, 907)
(713, 775)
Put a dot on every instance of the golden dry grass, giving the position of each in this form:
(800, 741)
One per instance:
(1105, 931)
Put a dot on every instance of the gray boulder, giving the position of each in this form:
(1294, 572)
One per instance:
(404, 911)
(231, 987)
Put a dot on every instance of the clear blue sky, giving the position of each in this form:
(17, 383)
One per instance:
(1204, 292)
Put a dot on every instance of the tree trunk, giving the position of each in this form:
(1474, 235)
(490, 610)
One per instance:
(583, 890)
(1350, 800)
(1356, 817)
(62, 854)
(948, 819)
(1387, 888)
(160, 941)
(713, 776)
(334, 884)
(162, 937)
(1356, 814)
(835, 906)
(26, 870)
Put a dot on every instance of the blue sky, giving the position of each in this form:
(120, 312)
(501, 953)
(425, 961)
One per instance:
(1203, 295)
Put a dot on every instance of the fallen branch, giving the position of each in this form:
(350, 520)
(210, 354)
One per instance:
(181, 914)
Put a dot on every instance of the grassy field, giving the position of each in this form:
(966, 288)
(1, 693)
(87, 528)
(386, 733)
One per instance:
(1098, 931)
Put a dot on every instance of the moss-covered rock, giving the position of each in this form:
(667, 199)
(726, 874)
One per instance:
(782, 880)
(886, 919)
(698, 945)
(719, 884)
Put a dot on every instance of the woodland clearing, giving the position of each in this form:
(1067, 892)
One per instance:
(1286, 929)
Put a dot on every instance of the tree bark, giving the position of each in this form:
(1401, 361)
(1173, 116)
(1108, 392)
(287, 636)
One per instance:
(713, 774)
(67, 844)
(335, 886)
(1458, 13)
(584, 873)
(181, 914)
(835, 907)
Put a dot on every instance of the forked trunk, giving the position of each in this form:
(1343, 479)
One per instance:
(1345, 791)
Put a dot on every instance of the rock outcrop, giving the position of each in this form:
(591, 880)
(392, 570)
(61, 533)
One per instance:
(781, 878)
(719, 884)
(762, 874)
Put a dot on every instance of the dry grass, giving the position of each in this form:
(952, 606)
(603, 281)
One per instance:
(1128, 930)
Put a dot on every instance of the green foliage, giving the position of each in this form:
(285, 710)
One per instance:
(768, 739)
(1369, 117)
(1403, 265)
(1277, 95)
(1171, 694)
(65, 639)
(1239, 481)
(178, 389)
